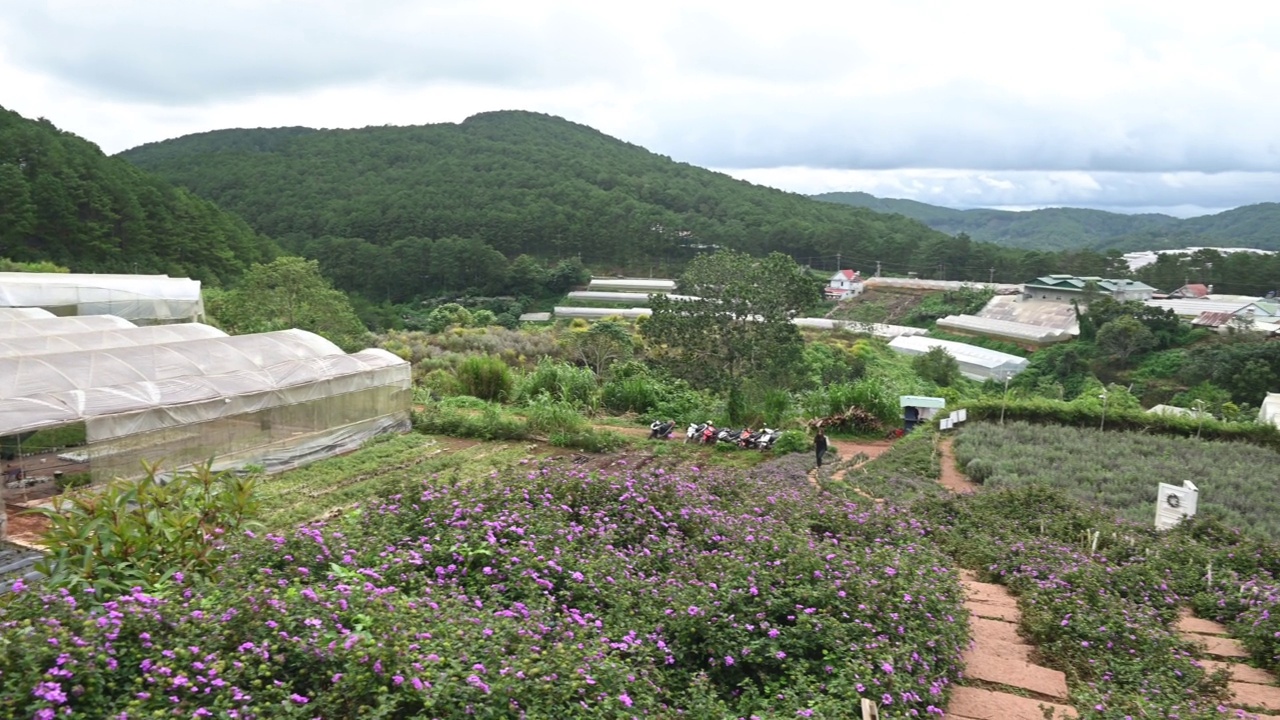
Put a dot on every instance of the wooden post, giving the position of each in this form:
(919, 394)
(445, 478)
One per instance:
(869, 710)
(4, 514)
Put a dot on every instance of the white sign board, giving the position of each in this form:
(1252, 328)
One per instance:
(962, 415)
(945, 424)
(1174, 503)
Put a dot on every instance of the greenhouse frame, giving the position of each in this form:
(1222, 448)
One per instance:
(143, 299)
(276, 400)
(975, 363)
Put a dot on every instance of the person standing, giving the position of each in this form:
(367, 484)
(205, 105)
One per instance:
(820, 445)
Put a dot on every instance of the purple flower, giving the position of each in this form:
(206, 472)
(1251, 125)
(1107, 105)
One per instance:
(625, 700)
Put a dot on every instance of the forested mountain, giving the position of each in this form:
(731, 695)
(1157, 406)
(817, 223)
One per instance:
(62, 200)
(399, 208)
(1256, 226)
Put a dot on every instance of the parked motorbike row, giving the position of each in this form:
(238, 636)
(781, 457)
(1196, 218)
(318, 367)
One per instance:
(708, 434)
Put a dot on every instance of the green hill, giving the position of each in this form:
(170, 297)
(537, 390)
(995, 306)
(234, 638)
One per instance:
(1074, 228)
(520, 182)
(63, 201)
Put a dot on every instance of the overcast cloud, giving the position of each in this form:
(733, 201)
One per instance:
(1124, 106)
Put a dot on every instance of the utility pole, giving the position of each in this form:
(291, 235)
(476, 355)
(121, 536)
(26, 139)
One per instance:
(838, 268)
(877, 268)
(991, 276)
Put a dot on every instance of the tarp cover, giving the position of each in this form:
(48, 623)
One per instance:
(82, 370)
(103, 339)
(143, 298)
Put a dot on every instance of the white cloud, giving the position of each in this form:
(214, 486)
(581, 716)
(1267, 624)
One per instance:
(1116, 95)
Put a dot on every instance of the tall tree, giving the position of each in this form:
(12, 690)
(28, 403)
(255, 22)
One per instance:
(738, 324)
(289, 292)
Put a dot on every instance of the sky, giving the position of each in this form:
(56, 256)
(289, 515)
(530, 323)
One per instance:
(1130, 106)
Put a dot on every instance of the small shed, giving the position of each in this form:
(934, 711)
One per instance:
(919, 408)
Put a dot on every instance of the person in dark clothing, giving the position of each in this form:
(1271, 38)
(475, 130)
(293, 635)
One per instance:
(820, 445)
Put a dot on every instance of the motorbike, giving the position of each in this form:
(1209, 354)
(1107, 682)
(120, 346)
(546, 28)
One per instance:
(766, 439)
(729, 436)
(694, 433)
(748, 439)
(661, 430)
(709, 434)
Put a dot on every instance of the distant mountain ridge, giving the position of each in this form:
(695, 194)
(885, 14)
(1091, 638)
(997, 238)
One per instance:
(1066, 228)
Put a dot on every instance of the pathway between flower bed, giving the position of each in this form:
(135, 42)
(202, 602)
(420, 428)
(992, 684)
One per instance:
(1002, 681)
(850, 449)
(1252, 690)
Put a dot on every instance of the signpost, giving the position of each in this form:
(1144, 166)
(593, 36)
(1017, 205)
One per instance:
(1173, 503)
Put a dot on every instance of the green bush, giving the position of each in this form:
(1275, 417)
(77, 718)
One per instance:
(561, 381)
(545, 416)
(490, 423)
(792, 441)
(485, 377)
(441, 383)
(71, 481)
(141, 533)
(589, 440)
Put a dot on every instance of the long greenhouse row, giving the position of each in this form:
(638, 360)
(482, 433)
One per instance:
(99, 395)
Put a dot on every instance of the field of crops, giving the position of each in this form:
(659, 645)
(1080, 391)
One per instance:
(1119, 470)
(544, 589)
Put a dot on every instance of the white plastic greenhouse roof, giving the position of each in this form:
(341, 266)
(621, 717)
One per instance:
(1193, 308)
(594, 313)
(633, 285)
(628, 298)
(8, 313)
(136, 297)
(104, 339)
(82, 370)
(876, 329)
(1037, 334)
(190, 399)
(32, 327)
(975, 362)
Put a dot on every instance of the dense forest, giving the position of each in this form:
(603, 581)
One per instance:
(1254, 226)
(525, 183)
(62, 200)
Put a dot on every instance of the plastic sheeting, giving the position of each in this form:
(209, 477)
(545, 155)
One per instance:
(31, 374)
(31, 327)
(644, 285)
(975, 363)
(104, 339)
(1004, 329)
(146, 299)
(8, 313)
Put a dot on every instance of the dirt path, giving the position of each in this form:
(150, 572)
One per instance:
(849, 449)
(951, 477)
(1252, 690)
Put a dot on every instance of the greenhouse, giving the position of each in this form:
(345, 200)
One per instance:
(876, 329)
(23, 313)
(143, 299)
(594, 313)
(975, 363)
(635, 285)
(1016, 332)
(105, 339)
(277, 400)
(24, 327)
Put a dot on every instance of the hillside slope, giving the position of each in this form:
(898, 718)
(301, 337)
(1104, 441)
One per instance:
(62, 200)
(521, 182)
(1074, 228)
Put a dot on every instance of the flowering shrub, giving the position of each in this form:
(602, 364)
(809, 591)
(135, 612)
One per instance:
(550, 592)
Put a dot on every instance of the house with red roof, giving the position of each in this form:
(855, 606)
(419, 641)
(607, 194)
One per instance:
(845, 283)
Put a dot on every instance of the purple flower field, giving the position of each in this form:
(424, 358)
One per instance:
(542, 592)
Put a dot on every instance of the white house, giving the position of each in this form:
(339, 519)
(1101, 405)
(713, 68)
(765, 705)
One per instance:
(845, 283)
